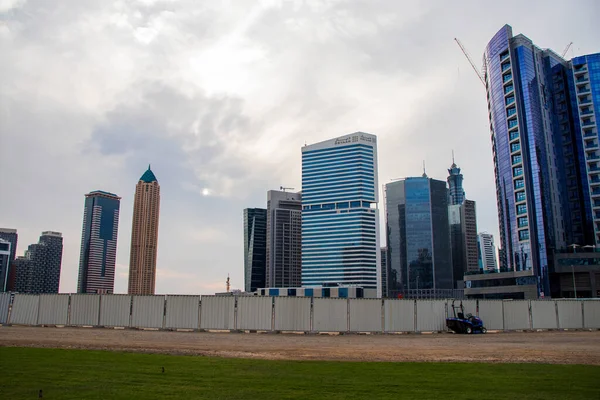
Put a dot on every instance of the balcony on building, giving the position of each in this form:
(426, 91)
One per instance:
(513, 135)
(581, 79)
(589, 133)
(585, 100)
(590, 144)
(583, 89)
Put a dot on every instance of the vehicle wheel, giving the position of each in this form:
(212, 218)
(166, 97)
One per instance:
(483, 330)
(468, 330)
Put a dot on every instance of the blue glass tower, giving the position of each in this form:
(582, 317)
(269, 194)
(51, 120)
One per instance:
(99, 243)
(520, 110)
(545, 144)
(584, 89)
(340, 241)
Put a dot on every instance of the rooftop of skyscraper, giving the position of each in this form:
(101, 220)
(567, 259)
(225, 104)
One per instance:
(102, 193)
(148, 176)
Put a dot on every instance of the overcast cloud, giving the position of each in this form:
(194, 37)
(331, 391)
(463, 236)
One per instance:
(219, 96)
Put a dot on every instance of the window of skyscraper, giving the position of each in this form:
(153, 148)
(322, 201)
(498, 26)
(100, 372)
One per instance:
(519, 183)
(517, 171)
(524, 235)
(523, 222)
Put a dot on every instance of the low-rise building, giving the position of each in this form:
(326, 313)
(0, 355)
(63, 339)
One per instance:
(501, 285)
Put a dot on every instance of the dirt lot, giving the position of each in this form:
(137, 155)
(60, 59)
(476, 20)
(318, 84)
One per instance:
(536, 347)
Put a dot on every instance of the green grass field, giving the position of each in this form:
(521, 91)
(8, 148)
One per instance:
(81, 374)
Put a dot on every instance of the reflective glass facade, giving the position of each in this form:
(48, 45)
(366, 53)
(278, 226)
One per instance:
(584, 90)
(99, 243)
(340, 244)
(540, 151)
(418, 234)
(255, 248)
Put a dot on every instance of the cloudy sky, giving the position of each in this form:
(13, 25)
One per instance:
(220, 96)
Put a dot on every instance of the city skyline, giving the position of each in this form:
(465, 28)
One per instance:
(223, 120)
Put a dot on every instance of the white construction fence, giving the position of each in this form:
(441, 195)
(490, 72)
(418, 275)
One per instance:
(297, 314)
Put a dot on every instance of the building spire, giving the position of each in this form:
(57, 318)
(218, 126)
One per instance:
(424, 172)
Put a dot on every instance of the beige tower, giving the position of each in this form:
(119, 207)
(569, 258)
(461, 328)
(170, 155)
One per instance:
(144, 235)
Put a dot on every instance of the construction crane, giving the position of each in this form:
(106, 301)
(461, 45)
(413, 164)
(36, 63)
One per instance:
(466, 53)
(285, 188)
(566, 49)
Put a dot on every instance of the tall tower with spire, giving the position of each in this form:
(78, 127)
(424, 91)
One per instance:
(455, 180)
(144, 235)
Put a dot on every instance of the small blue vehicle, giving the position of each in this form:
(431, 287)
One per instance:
(464, 324)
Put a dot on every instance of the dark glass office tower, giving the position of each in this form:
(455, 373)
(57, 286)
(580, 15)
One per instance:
(284, 239)
(39, 270)
(418, 233)
(543, 122)
(99, 243)
(255, 248)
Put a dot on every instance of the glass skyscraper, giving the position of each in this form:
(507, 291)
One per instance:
(99, 243)
(340, 243)
(545, 144)
(584, 89)
(255, 248)
(418, 236)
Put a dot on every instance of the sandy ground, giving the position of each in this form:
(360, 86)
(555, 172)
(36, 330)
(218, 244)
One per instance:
(535, 347)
